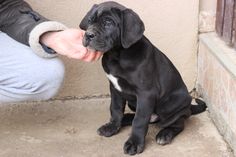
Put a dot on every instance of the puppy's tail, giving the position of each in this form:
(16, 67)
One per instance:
(201, 107)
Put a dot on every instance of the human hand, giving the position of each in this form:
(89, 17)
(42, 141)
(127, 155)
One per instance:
(69, 43)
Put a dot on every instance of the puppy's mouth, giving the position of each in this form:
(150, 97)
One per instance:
(86, 43)
(91, 49)
(93, 44)
(90, 46)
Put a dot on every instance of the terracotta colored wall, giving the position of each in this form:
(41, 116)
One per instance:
(172, 25)
(217, 83)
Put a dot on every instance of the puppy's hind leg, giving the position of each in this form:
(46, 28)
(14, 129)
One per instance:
(166, 135)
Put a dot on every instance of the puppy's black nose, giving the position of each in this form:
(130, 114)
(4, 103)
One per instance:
(89, 35)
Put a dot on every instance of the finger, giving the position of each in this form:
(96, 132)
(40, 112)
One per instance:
(91, 56)
(98, 55)
(82, 32)
(80, 53)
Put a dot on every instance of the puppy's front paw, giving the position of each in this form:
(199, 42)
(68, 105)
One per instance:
(108, 129)
(133, 147)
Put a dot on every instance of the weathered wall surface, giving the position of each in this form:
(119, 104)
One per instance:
(217, 83)
(207, 15)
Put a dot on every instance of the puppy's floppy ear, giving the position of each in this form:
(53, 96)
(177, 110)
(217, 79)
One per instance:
(89, 16)
(132, 29)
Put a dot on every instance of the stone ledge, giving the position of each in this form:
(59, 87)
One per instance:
(217, 83)
(225, 54)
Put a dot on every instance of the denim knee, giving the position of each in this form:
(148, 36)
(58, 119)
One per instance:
(41, 81)
(51, 78)
(26, 76)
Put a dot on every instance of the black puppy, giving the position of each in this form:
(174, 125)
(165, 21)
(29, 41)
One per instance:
(139, 74)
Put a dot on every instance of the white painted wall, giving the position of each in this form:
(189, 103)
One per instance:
(172, 25)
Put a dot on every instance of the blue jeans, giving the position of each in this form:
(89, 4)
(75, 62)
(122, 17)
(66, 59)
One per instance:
(24, 76)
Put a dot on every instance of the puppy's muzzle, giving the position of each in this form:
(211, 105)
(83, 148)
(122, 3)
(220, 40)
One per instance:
(87, 38)
(89, 35)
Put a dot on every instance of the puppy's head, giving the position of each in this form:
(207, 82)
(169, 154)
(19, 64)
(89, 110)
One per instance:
(110, 25)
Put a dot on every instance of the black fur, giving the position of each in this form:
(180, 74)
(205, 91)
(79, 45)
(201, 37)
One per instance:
(149, 82)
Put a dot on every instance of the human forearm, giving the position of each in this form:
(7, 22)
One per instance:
(20, 22)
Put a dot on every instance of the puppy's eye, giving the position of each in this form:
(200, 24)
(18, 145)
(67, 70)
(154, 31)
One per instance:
(107, 22)
(89, 21)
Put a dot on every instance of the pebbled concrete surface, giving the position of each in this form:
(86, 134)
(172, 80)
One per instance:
(68, 129)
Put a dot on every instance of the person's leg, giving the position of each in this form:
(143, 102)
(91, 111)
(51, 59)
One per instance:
(24, 76)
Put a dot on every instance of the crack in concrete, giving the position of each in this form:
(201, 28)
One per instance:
(86, 97)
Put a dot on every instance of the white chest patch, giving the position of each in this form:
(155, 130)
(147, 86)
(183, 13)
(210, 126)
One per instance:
(114, 81)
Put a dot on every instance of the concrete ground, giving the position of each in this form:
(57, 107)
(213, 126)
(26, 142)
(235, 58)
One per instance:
(68, 129)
